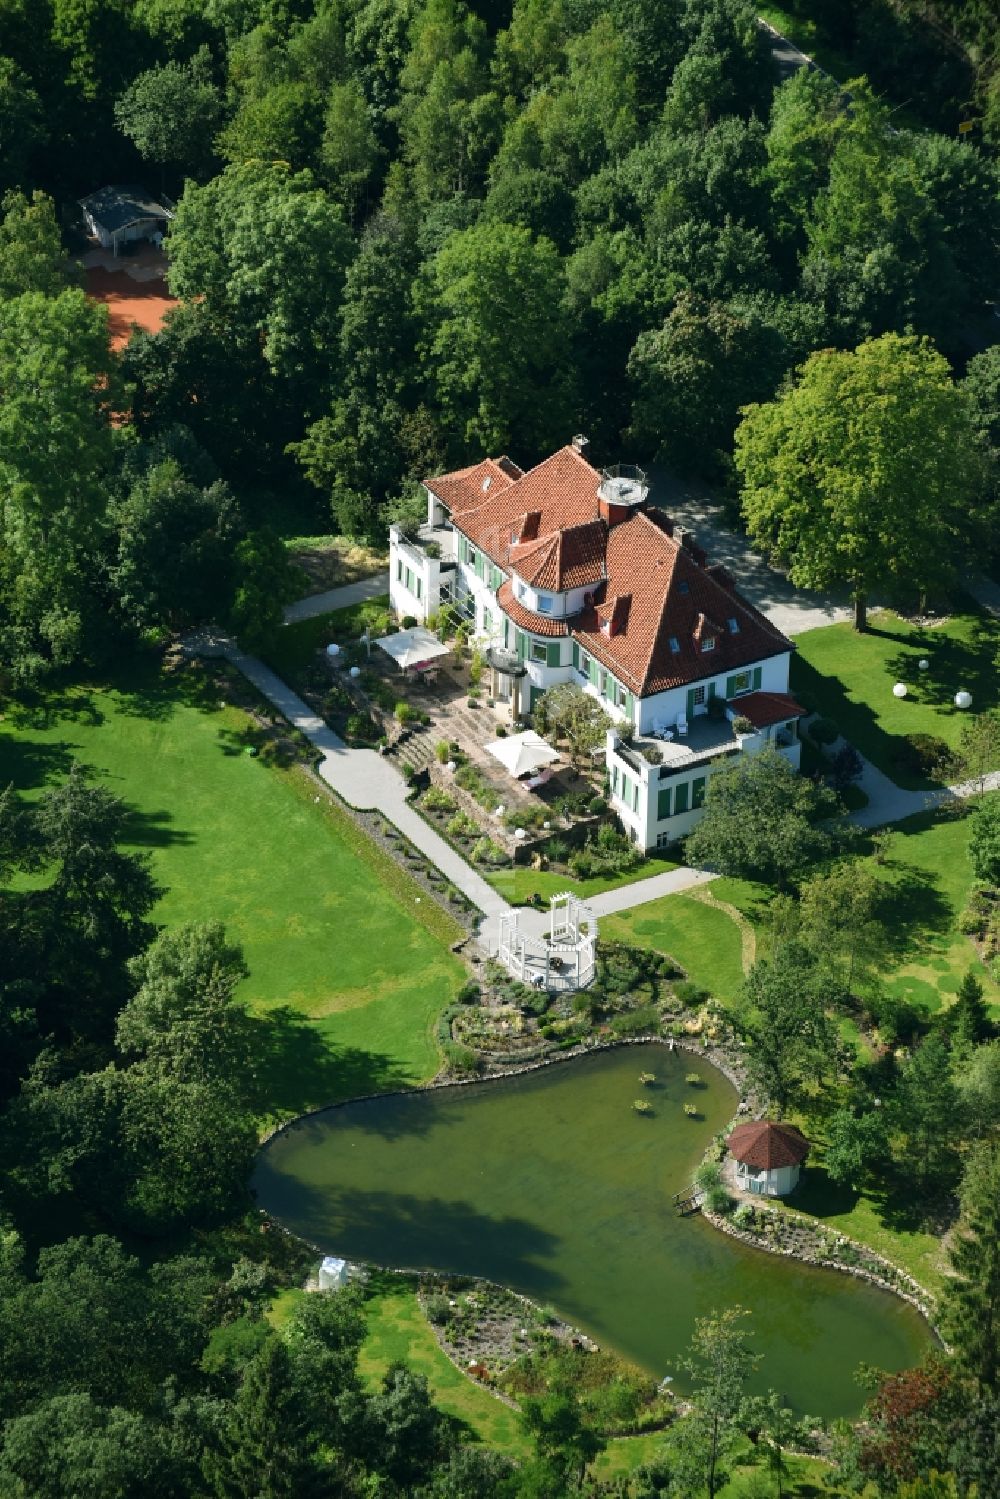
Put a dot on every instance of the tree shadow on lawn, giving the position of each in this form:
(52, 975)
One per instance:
(302, 1069)
(40, 709)
(146, 688)
(25, 763)
(153, 830)
(914, 910)
(896, 1204)
(856, 721)
(954, 665)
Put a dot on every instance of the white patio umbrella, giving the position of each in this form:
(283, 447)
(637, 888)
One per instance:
(522, 754)
(408, 647)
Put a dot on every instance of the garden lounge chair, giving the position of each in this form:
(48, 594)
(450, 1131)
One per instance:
(682, 726)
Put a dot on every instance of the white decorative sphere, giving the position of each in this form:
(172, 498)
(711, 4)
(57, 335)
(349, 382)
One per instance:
(520, 833)
(546, 824)
(963, 699)
(923, 663)
(899, 690)
(355, 671)
(333, 650)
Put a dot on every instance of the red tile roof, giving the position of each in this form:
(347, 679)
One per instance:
(683, 621)
(464, 487)
(571, 558)
(766, 708)
(527, 619)
(766, 1146)
(561, 490)
(674, 600)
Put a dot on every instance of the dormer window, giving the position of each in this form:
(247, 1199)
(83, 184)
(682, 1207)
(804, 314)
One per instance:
(733, 625)
(486, 483)
(675, 645)
(684, 586)
(544, 603)
(708, 644)
(605, 627)
(520, 589)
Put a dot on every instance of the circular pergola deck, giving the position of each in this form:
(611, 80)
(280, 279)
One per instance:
(561, 960)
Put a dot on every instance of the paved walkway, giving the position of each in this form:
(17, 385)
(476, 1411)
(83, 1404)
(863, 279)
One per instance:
(337, 598)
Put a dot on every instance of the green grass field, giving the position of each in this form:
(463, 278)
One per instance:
(518, 885)
(849, 678)
(704, 940)
(348, 958)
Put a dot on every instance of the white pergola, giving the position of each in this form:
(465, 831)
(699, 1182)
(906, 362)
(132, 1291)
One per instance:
(566, 960)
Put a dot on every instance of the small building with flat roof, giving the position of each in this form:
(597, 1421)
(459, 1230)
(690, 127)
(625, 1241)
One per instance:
(117, 215)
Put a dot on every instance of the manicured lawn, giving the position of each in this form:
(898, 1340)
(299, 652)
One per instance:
(398, 1330)
(849, 678)
(295, 645)
(518, 885)
(704, 940)
(928, 867)
(879, 1221)
(348, 958)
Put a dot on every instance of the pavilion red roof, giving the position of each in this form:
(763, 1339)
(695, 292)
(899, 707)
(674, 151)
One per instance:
(766, 1145)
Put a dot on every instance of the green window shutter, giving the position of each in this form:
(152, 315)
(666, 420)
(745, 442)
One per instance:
(576, 656)
(630, 705)
(698, 792)
(592, 670)
(553, 654)
(463, 549)
(681, 799)
(635, 797)
(758, 672)
(522, 645)
(614, 777)
(496, 578)
(663, 804)
(730, 686)
(712, 691)
(690, 703)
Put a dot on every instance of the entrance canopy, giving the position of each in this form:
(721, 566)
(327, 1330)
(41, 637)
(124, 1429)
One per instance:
(412, 647)
(522, 754)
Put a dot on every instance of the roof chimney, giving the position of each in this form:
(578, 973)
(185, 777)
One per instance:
(580, 443)
(685, 537)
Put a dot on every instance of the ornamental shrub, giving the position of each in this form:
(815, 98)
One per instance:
(823, 731)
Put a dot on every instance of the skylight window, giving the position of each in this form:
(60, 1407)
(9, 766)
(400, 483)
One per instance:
(675, 645)
(733, 625)
(684, 586)
(708, 644)
(486, 483)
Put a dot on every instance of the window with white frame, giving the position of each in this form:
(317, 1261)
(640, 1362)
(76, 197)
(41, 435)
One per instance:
(662, 840)
(545, 603)
(539, 651)
(520, 589)
(698, 696)
(708, 644)
(622, 697)
(733, 625)
(742, 682)
(584, 664)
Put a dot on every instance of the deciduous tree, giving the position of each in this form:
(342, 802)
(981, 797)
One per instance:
(762, 821)
(861, 472)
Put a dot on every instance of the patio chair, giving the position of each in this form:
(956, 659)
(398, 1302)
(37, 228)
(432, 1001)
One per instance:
(682, 726)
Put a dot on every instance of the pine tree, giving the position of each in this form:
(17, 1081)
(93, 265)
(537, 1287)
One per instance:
(972, 1295)
(970, 1016)
(264, 1447)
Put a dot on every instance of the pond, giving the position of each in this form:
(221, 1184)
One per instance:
(550, 1183)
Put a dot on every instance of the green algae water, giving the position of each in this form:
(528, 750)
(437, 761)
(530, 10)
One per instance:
(550, 1183)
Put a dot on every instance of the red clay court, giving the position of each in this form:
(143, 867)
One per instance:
(133, 288)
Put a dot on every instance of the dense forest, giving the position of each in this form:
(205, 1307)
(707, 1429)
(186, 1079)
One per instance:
(407, 232)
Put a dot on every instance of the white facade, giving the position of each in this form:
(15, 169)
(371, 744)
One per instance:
(661, 802)
(776, 1182)
(659, 799)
